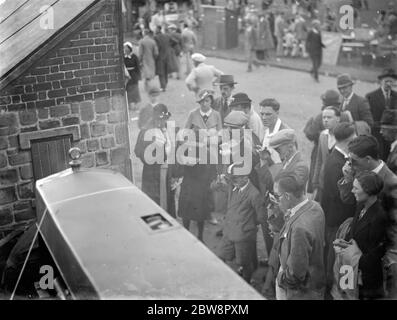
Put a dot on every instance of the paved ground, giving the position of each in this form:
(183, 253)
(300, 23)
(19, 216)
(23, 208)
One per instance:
(298, 94)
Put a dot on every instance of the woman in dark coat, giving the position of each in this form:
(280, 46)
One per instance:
(368, 232)
(195, 200)
(158, 136)
(131, 62)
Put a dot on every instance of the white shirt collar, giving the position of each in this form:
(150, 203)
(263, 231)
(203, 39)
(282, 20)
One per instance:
(206, 113)
(242, 188)
(393, 146)
(378, 168)
(289, 160)
(275, 130)
(342, 152)
(349, 97)
(297, 207)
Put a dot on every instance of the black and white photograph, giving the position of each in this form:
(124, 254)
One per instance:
(198, 150)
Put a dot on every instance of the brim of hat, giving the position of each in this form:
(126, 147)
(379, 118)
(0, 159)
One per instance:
(346, 84)
(223, 83)
(394, 76)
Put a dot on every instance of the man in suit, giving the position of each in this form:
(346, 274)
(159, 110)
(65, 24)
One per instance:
(356, 105)
(202, 76)
(283, 142)
(251, 40)
(379, 100)
(148, 52)
(163, 41)
(226, 86)
(326, 142)
(314, 47)
(245, 209)
(388, 130)
(279, 31)
(301, 242)
(364, 156)
(334, 209)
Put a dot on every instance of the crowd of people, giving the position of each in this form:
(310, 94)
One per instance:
(316, 218)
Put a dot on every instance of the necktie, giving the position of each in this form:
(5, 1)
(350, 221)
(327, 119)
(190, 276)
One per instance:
(387, 99)
(345, 103)
(205, 118)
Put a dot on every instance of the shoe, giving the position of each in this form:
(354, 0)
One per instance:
(163, 89)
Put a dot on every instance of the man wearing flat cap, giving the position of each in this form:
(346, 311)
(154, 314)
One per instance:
(379, 100)
(226, 86)
(388, 129)
(357, 106)
(285, 143)
(202, 76)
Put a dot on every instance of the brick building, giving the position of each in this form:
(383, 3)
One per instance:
(59, 87)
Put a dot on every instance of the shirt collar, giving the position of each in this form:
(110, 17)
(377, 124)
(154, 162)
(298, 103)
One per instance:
(128, 55)
(393, 145)
(342, 152)
(289, 160)
(241, 188)
(384, 92)
(379, 167)
(275, 130)
(206, 113)
(349, 97)
(295, 209)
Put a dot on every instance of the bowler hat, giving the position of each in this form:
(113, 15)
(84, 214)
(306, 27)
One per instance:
(282, 137)
(344, 80)
(239, 98)
(330, 98)
(204, 94)
(389, 119)
(390, 72)
(160, 111)
(225, 79)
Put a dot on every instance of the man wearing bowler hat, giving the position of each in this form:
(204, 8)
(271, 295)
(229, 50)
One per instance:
(226, 86)
(356, 105)
(379, 100)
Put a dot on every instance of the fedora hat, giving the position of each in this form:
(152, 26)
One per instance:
(344, 80)
(390, 72)
(239, 98)
(225, 79)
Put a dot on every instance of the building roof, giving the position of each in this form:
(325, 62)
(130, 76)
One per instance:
(23, 27)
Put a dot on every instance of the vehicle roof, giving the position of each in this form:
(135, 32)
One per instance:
(94, 219)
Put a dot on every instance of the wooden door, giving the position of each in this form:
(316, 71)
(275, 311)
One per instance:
(50, 155)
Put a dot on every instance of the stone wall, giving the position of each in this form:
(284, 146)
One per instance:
(79, 83)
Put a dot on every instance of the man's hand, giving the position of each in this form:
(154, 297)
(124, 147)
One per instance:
(348, 171)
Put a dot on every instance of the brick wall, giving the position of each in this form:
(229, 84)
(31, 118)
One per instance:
(80, 82)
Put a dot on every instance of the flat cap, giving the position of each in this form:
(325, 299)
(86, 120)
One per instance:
(236, 119)
(198, 57)
(282, 137)
(239, 98)
(330, 98)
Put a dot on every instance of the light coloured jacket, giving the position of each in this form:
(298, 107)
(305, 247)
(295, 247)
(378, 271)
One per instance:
(202, 77)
